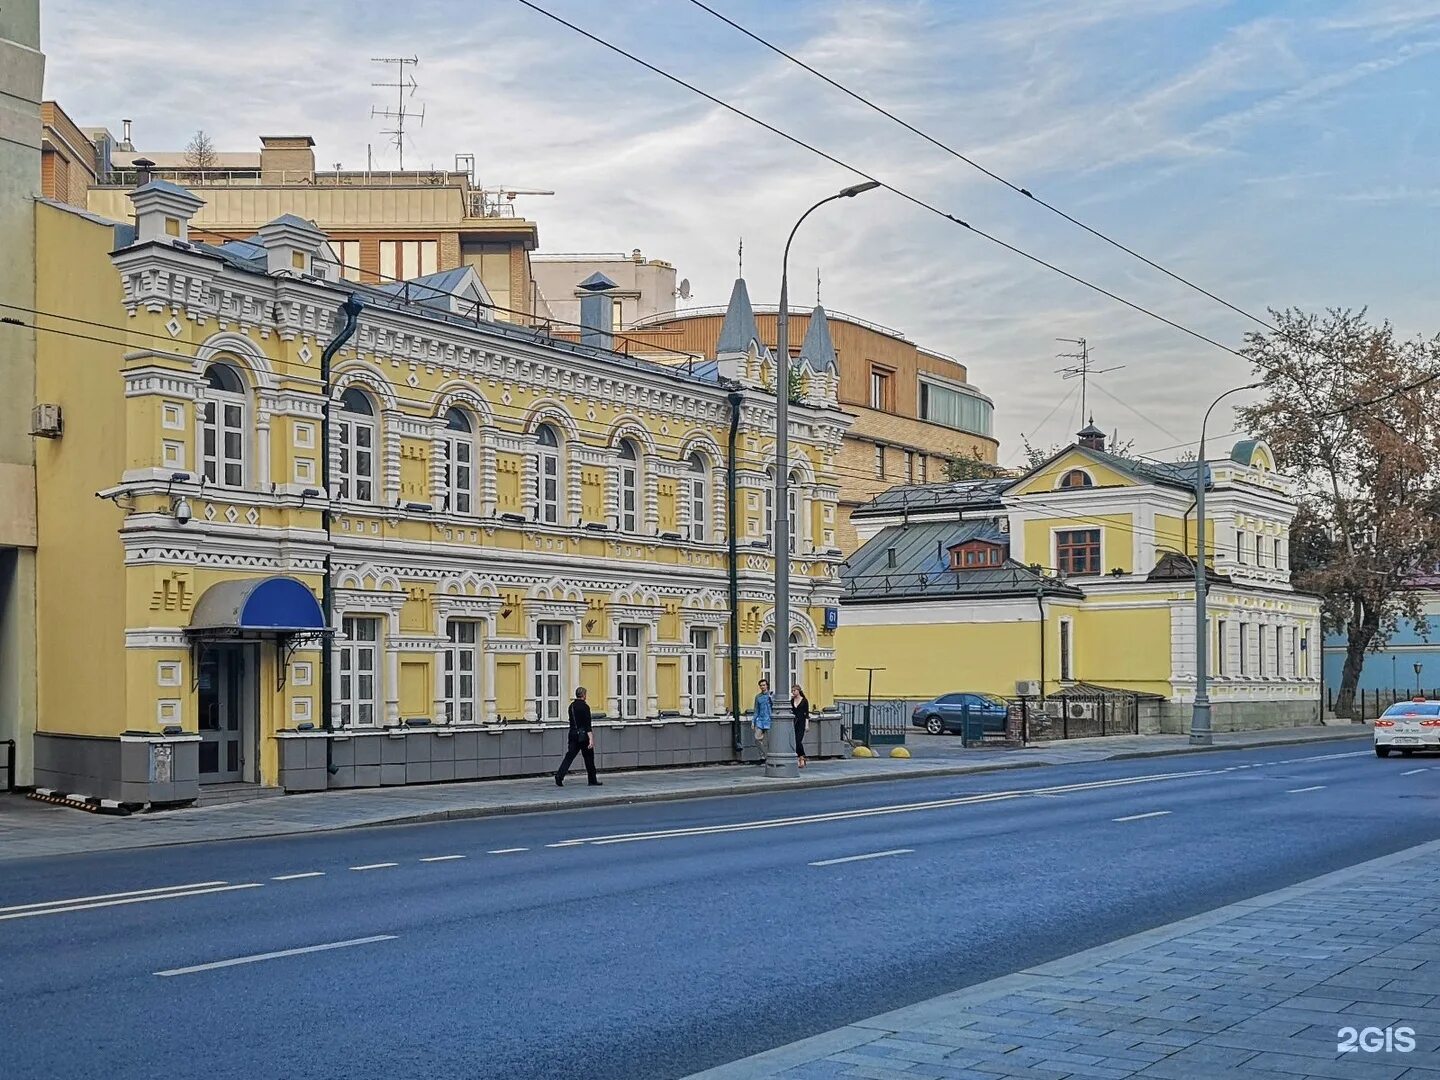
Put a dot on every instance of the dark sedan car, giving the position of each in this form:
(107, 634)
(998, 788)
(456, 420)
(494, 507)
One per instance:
(946, 713)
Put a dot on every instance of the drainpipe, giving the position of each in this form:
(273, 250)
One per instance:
(735, 741)
(1040, 602)
(350, 314)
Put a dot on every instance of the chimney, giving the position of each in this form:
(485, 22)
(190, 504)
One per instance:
(597, 319)
(163, 211)
(1091, 437)
(125, 143)
(287, 159)
(142, 165)
(636, 257)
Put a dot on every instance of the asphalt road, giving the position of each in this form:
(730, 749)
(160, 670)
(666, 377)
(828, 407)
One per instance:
(650, 940)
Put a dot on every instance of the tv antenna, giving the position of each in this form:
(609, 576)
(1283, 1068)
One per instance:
(1081, 369)
(404, 86)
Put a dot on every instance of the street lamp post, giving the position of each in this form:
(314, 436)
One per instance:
(1200, 734)
(780, 745)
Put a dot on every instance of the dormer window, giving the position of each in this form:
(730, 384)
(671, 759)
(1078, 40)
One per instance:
(977, 555)
(1077, 478)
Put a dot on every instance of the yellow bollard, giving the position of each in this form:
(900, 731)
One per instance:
(862, 751)
(899, 752)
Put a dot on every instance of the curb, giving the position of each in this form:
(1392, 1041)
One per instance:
(769, 1063)
(754, 787)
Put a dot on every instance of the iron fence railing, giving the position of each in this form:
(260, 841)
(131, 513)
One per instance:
(1078, 714)
(1368, 704)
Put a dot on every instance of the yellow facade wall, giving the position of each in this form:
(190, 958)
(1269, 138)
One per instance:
(1117, 539)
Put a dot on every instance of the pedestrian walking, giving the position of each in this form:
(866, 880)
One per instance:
(801, 706)
(764, 712)
(582, 739)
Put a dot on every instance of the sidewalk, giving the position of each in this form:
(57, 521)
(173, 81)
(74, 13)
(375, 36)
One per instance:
(1258, 990)
(30, 829)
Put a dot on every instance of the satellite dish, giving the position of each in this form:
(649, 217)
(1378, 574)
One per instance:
(684, 290)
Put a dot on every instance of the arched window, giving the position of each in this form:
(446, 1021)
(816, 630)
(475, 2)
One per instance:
(1076, 478)
(792, 510)
(222, 412)
(629, 487)
(767, 657)
(699, 499)
(797, 641)
(459, 460)
(355, 433)
(547, 475)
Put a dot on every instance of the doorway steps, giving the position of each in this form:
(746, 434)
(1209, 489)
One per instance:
(216, 794)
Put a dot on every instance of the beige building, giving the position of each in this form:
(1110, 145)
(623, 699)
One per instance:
(384, 225)
(643, 287)
(915, 409)
(22, 69)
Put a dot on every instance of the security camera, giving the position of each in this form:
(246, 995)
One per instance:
(182, 511)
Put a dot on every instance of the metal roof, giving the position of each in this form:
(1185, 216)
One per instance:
(954, 495)
(739, 328)
(818, 350)
(922, 567)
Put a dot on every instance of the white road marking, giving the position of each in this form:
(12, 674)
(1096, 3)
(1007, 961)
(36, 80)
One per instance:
(375, 866)
(131, 900)
(1142, 817)
(297, 877)
(1302, 790)
(860, 858)
(275, 955)
(442, 858)
(113, 895)
(1412, 772)
(507, 850)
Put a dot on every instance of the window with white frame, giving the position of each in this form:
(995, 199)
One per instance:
(1067, 650)
(699, 499)
(1240, 546)
(768, 501)
(629, 487)
(460, 461)
(1280, 670)
(1295, 651)
(349, 253)
(461, 688)
(547, 475)
(796, 644)
(1244, 648)
(628, 690)
(792, 510)
(879, 461)
(1279, 553)
(355, 433)
(924, 469)
(401, 260)
(359, 664)
(1260, 639)
(697, 672)
(222, 412)
(767, 657)
(1259, 550)
(1220, 646)
(549, 668)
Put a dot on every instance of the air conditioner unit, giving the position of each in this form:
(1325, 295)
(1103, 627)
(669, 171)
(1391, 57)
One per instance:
(1027, 688)
(1055, 709)
(1080, 710)
(45, 421)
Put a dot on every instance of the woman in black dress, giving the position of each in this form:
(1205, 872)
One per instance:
(800, 704)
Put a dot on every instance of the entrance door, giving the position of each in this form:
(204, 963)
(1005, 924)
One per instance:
(227, 713)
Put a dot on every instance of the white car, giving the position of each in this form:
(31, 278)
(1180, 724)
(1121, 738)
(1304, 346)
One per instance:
(1408, 726)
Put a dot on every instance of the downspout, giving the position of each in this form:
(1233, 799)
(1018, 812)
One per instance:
(735, 741)
(350, 314)
(1040, 602)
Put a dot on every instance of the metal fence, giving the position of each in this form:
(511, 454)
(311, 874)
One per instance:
(876, 723)
(1079, 713)
(1369, 704)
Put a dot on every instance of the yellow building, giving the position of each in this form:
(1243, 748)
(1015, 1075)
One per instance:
(509, 517)
(1080, 575)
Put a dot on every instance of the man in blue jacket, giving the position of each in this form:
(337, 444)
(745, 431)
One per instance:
(764, 711)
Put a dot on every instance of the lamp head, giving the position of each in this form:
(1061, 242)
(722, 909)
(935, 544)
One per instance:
(859, 189)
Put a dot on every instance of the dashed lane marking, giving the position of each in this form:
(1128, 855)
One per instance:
(113, 895)
(297, 877)
(1302, 790)
(442, 858)
(1412, 772)
(507, 850)
(862, 858)
(258, 957)
(130, 900)
(1142, 817)
(375, 866)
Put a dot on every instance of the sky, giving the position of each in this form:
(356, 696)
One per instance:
(1278, 153)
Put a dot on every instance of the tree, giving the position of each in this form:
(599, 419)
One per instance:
(970, 466)
(200, 152)
(1349, 410)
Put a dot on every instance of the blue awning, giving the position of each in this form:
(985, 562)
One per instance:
(258, 606)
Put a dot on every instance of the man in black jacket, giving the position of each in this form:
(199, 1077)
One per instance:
(582, 739)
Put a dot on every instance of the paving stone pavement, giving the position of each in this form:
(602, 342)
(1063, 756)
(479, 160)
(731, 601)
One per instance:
(29, 829)
(1258, 990)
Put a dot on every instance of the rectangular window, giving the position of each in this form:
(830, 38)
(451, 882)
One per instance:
(460, 684)
(356, 473)
(1077, 551)
(1259, 550)
(1240, 547)
(359, 662)
(548, 481)
(629, 497)
(1279, 553)
(1244, 648)
(349, 252)
(1067, 650)
(389, 261)
(909, 466)
(879, 461)
(955, 408)
(616, 315)
(924, 469)
(880, 397)
(698, 672)
(222, 440)
(549, 664)
(1280, 651)
(460, 453)
(627, 673)
(1260, 651)
(1304, 656)
(699, 508)
(1220, 647)
(1294, 651)
(401, 260)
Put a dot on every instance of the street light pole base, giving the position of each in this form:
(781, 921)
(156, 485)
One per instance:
(1201, 738)
(781, 768)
